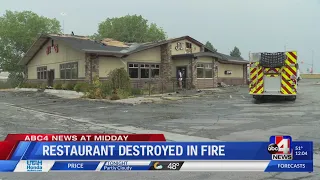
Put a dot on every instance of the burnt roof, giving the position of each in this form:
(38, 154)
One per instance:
(86, 44)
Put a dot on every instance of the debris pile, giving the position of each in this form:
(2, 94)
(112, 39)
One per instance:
(112, 42)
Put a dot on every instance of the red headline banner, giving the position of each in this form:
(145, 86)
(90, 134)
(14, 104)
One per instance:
(7, 148)
(85, 137)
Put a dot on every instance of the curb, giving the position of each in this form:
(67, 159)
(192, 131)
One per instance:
(66, 92)
(27, 89)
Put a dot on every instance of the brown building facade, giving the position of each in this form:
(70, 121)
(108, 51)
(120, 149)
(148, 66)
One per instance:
(66, 58)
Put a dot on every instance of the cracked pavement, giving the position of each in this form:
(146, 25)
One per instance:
(230, 116)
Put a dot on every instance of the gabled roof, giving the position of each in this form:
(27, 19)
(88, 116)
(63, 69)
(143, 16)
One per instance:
(228, 57)
(79, 43)
(84, 44)
(149, 45)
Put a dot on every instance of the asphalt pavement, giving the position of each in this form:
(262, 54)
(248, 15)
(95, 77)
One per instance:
(224, 116)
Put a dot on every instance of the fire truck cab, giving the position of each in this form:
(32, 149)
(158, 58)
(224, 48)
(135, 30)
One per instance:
(273, 74)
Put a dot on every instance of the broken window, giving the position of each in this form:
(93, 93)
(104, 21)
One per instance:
(133, 70)
(69, 71)
(42, 72)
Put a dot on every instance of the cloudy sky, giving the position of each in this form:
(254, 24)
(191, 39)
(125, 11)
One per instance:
(251, 25)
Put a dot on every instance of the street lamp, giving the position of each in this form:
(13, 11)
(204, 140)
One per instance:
(302, 62)
(63, 15)
(312, 62)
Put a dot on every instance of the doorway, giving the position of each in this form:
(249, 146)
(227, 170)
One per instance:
(183, 70)
(50, 77)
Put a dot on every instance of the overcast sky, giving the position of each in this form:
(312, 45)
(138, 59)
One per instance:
(251, 25)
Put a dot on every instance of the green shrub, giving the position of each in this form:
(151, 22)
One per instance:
(5, 85)
(15, 79)
(23, 85)
(114, 97)
(98, 94)
(123, 94)
(119, 79)
(117, 86)
(81, 87)
(95, 89)
(34, 85)
(29, 85)
(77, 87)
(65, 86)
(43, 86)
(150, 88)
(107, 88)
(136, 91)
(70, 86)
(57, 86)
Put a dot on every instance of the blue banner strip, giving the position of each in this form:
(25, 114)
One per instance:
(158, 151)
(8, 166)
(290, 166)
(75, 166)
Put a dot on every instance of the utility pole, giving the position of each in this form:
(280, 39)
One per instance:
(312, 62)
(63, 16)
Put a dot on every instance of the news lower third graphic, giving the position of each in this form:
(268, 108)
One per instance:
(150, 153)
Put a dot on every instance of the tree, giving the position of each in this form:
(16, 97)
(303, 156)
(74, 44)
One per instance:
(210, 46)
(130, 28)
(235, 52)
(17, 33)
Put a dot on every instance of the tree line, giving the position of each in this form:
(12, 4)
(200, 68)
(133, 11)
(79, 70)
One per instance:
(234, 53)
(20, 29)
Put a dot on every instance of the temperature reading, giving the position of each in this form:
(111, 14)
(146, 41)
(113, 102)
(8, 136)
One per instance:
(173, 166)
(166, 165)
(298, 148)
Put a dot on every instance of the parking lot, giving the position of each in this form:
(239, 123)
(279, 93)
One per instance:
(222, 116)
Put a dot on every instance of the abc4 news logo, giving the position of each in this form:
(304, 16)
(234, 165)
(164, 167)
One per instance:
(273, 149)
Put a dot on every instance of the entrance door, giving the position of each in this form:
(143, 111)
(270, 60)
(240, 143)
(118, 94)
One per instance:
(50, 77)
(183, 70)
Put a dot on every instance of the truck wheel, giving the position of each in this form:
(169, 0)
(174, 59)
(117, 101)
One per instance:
(258, 99)
(292, 98)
